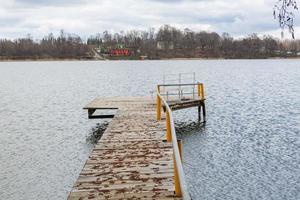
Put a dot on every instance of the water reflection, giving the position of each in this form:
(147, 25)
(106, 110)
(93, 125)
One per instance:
(188, 127)
(96, 132)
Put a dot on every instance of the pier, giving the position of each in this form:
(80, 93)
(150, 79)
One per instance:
(138, 155)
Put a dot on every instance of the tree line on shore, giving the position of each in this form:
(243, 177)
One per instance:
(167, 42)
(64, 46)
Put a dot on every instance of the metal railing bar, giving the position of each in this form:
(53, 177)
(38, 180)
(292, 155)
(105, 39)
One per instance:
(173, 94)
(183, 84)
(171, 80)
(176, 90)
(183, 78)
(186, 87)
(191, 73)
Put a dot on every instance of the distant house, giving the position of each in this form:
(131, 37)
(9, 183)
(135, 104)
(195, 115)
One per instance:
(262, 49)
(143, 57)
(98, 50)
(120, 52)
(277, 52)
(162, 45)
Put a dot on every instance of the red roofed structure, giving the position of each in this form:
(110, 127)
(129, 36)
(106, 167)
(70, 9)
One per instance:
(120, 52)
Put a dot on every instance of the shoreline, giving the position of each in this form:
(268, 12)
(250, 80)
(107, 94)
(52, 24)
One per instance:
(46, 60)
(78, 59)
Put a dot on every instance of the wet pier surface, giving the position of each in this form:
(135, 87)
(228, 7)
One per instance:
(132, 160)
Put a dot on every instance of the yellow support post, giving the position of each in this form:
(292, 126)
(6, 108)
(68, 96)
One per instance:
(168, 124)
(158, 105)
(176, 177)
(179, 142)
(202, 91)
(176, 180)
(199, 89)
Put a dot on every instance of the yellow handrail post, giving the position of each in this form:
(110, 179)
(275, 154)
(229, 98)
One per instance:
(176, 177)
(158, 105)
(168, 124)
(199, 89)
(202, 91)
(180, 146)
(176, 180)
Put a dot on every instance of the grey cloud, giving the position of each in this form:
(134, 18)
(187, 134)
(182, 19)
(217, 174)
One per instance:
(176, 1)
(167, 1)
(9, 21)
(47, 2)
(238, 17)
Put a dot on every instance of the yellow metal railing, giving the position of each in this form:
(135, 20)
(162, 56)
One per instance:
(201, 91)
(200, 94)
(181, 188)
(197, 91)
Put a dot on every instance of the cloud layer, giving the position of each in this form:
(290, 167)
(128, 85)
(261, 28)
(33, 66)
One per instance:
(39, 17)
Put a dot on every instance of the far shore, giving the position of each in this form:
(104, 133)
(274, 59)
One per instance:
(46, 60)
(182, 58)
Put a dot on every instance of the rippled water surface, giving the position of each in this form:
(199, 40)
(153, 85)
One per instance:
(248, 149)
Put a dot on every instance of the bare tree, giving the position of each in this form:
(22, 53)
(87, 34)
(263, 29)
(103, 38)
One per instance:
(283, 11)
(167, 42)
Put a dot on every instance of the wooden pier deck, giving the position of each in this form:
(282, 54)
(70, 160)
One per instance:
(138, 155)
(132, 160)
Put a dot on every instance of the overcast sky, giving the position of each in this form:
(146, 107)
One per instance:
(85, 17)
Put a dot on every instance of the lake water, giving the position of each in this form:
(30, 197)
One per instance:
(248, 149)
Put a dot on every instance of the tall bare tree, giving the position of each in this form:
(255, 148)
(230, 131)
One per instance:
(284, 12)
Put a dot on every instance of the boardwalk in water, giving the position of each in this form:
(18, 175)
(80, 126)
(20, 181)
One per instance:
(131, 160)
